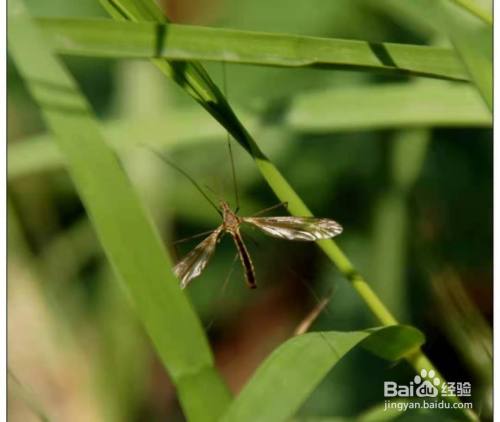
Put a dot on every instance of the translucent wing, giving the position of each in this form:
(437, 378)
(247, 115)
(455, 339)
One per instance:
(306, 229)
(195, 261)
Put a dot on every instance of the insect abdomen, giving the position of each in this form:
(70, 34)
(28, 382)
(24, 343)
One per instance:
(245, 260)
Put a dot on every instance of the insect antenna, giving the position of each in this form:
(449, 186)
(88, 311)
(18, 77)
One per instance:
(186, 175)
(229, 147)
(211, 190)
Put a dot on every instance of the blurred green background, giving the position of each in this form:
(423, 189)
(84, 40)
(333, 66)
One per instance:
(415, 204)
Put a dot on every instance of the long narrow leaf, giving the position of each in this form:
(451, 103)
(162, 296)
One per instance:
(389, 106)
(426, 104)
(289, 375)
(471, 37)
(148, 40)
(473, 41)
(39, 153)
(126, 233)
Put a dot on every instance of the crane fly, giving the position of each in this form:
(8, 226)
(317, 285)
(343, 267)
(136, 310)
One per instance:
(308, 229)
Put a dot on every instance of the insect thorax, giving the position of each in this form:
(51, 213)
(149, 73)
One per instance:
(231, 220)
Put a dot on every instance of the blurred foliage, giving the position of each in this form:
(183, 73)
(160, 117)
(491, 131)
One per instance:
(413, 203)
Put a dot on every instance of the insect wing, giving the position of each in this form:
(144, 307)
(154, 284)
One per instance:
(306, 229)
(195, 261)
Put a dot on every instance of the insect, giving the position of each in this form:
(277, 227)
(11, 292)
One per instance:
(288, 228)
(307, 229)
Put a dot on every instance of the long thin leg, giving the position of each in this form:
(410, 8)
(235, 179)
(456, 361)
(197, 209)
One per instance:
(306, 323)
(311, 317)
(311, 290)
(185, 239)
(281, 204)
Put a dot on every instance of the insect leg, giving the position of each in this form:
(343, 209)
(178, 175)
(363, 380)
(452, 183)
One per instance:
(281, 204)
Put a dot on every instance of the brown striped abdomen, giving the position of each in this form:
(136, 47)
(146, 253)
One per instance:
(245, 259)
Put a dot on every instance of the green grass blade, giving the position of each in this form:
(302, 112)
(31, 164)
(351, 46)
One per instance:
(125, 9)
(473, 42)
(391, 219)
(289, 375)
(191, 76)
(39, 153)
(148, 40)
(426, 104)
(422, 104)
(33, 155)
(125, 232)
(471, 38)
